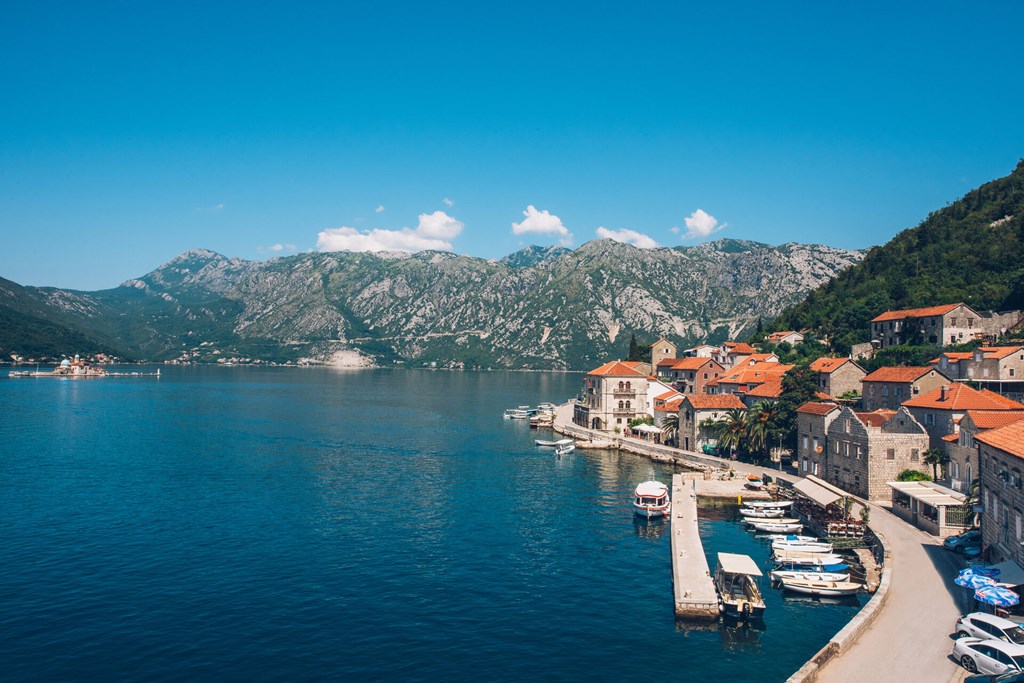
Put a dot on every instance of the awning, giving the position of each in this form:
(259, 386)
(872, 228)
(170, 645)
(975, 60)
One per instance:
(732, 563)
(929, 493)
(646, 429)
(1010, 573)
(819, 494)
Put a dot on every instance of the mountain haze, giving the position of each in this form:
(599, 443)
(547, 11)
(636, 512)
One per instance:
(539, 308)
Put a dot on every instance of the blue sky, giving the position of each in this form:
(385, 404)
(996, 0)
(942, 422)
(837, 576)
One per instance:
(130, 132)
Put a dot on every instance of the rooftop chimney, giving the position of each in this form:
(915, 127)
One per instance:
(942, 396)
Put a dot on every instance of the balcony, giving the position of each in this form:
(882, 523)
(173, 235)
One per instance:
(623, 394)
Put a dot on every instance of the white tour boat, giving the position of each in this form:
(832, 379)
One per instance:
(651, 499)
(778, 526)
(552, 444)
(807, 559)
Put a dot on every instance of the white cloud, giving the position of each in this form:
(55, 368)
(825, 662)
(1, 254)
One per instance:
(674, 230)
(276, 248)
(448, 202)
(380, 208)
(433, 232)
(701, 224)
(542, 222)
(637, 239)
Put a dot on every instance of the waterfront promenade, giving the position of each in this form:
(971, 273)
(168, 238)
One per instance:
(908, 639)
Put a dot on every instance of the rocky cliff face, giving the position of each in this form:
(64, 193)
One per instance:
(539, 308)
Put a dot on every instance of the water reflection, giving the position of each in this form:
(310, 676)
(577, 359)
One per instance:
(812, 600)
(742, 636)
(649, 528)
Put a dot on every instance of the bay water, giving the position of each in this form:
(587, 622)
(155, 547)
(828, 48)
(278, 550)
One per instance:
(242, 523)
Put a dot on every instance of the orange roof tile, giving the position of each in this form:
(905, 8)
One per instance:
(755, 374)
(770, 389)
(915, 313)
(1009, 438)
(616, 368)
(961, 397)
(991, 419)
(816, 408)
(715, 401)
(898, 374)
(739, 349)
(666, 396)
(951, 438)
(779, 335)
(1000, 352)
(632, 363)
(828, 365)
(691, 363)
(667, 362)
(671, 407)
(876, 418)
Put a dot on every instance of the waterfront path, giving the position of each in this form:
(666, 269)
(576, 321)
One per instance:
(910, 638)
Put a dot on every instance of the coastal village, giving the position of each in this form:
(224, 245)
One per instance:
(940, 445)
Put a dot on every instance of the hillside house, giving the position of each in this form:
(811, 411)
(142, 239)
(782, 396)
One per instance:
(940, 325)
(1001, 452)
(789, 337)
(730, 353)
(696, 410)
(941, 410)
(889, 387)
(613, 394)
(661, 350)
(746, 376)
(997, 368)
(812, 422)
(838, 376)
(962, 448)
(866, 450)
(692, 375)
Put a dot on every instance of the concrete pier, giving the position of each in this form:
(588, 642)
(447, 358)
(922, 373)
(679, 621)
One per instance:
(695, 594)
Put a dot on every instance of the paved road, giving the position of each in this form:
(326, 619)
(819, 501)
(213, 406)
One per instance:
(910, 639)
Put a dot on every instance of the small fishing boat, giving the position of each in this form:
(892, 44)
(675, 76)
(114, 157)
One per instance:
(520, 413)
(763, 513)
(777, 575)
(778, 526)
(552, 444)
(789, 537)
(754, 521)
(650, 499)
(770, 504)
(564, 448)
(754, 483)
(807, 559)
(736, 579)
(830, 589)
(804, 568)
(802, 546)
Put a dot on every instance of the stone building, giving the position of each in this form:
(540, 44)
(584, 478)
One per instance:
(692, 375)
(696, 409)
(940, 410)
(787, 336)
(889, 387)
(940, 325)
(613, 394)
(812, 422)
(1001, 454)
(661, 350)
(747, 375)
(997, 368)
(962, 447)
(838, 376)
(864, 451)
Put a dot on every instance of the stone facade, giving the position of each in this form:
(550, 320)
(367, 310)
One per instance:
(864, 451)
(940, 325)
(661, 350)
(838, 376)
(887, 388)
(613, 394)
(696, 409)
(1001, 455)
(812, 423)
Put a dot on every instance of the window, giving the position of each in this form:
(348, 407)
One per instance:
(1018, 525)
(628, 386)
(896, 391)
(805, 441)
(890, 453)
(627, 405)
(837, 447)
(915, 390)
(621, 405)
(805, 464)
(914, 453)
(929, 418)
(885, 390)
(846, 448)
(705, 375)
(1011, 372)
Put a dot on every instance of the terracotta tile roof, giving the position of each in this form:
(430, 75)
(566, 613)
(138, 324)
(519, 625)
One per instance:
(915, 313)
(739, 349)
(770, 389)
(715, 401)
(828, 365)
(992, 419)
(1000, 352)
(667, 362)
(954, 356)
(691, 363)
(822, 396)
(671, 407)
(1009, 438)
(876, 418)
(632, 363)
(898, 374)
(755, 374)
(815, 408)
(762, 357)
(951, 438)
(616, 368)
(779, 335)
(960, 397)
(666, 396)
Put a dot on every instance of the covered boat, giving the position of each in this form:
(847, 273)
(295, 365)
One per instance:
(651, 499)
(809, 559)
(737, 578)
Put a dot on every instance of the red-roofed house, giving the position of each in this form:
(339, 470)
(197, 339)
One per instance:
(889, 387)
(837, 376)
(746, 376)
(788, 336)
(999, 368)
(1001, 451)
(661, 350)
(769, 390)
(940, 325)
(729, 353)
(691, 375)
(941, 409)
(696, 409)
(864, 451)
(812, 422)
(613, 394)
(963, 451)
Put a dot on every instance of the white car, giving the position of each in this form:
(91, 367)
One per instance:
(989, 627)
(988, 656)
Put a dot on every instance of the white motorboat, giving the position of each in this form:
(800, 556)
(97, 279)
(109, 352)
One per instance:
(736, 579)
(806, 559)
(565, 448)
(520, 413)
(754, 521)
(790, 537)
(771, 504)
(778, 575)
(802, 546)
(823, 588)
(650, 499)
(754, 482)
(552, 444)
(763, 513)
(778, 527)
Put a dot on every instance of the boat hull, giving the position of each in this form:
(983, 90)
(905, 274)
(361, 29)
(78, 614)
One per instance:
(836, 590)
(651, 512)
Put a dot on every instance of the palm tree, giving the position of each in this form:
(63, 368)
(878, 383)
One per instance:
(732, 430)
(935, 457)
(759, 426)
(670, 426)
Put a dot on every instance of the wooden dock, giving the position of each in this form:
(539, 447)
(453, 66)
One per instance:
(694, 589)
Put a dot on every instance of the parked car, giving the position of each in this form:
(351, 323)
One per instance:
(972, 536)
(1008, 677)
(988, 627)
(988, 656)
(968, 550)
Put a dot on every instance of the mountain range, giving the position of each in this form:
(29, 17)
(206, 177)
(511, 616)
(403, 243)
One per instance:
(540, 308)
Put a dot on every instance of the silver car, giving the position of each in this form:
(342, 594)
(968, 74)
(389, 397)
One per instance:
(988, 656)
(988, 626)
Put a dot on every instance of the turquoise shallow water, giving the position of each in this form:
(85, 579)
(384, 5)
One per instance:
(306, 524)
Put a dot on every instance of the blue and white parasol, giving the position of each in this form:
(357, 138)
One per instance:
(997, 596)
(968, 579)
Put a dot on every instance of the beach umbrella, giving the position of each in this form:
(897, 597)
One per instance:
(969, 579)
(997, 596)
(984, 571)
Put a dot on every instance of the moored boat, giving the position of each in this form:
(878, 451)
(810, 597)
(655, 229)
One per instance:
(772, 504)
(650, 499)
(754, 483)
(777, 575)
(552, 444)
(807, 559)
(802, 546)
(736, 578)
(778, 527)
(763, 513)
(822, 588)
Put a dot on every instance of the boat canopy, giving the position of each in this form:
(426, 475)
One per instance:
(653, 489)
(732, 563)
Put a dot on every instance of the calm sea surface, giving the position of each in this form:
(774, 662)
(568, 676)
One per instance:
(307, 524)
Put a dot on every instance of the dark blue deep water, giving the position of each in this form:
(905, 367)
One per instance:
(307, 524)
